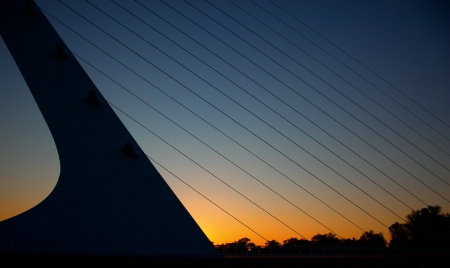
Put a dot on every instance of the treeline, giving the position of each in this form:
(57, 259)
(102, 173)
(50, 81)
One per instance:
(425, 228)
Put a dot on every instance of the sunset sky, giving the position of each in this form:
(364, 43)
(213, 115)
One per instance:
(292, 118)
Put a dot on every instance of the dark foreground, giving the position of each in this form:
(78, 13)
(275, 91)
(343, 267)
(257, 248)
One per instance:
(272, 261)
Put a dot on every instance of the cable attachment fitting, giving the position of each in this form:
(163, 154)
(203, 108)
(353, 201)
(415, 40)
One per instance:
(93, 98)
(130, 150)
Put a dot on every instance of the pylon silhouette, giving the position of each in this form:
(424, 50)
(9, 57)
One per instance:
(109, 198)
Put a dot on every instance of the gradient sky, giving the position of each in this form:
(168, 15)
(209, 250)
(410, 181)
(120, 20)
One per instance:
(334, 117)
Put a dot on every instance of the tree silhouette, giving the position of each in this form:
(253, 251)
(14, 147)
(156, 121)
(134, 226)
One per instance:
(295, 242)
(295, 245)
(427, 227)
(247, 244)
(273, 247)
(371, 239)
(400, 235)
(329, 239)
(347, 242)
(241, 246)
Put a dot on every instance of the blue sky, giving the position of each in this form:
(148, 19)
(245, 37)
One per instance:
(332, 117)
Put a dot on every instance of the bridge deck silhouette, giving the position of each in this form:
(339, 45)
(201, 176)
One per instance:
(238, 261)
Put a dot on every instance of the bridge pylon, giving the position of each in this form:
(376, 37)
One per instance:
(109, 198)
